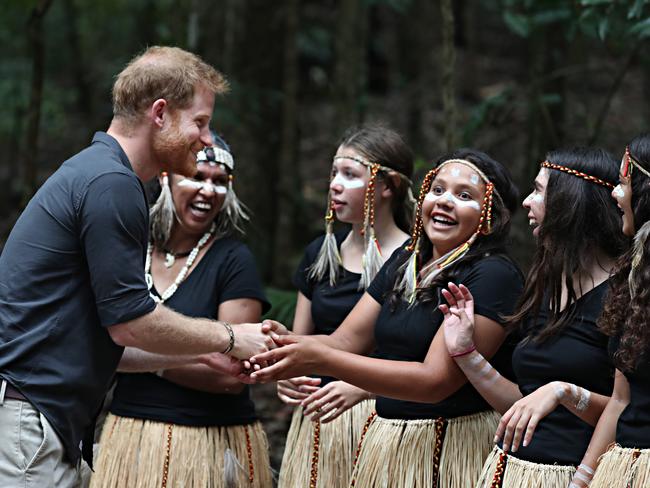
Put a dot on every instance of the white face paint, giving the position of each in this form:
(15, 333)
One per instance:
(537, 198)
(455, 172)
(619, 192)
(348, 183)
(447, 196)
(474, 179)
(203, 185)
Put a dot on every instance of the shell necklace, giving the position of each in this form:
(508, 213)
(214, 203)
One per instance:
(167, 294)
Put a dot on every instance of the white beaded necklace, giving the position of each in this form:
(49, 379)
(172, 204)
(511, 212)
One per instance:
(167, 294)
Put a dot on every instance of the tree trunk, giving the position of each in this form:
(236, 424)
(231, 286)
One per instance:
(448, 62)
(288, 179)
(349, 70)
(36, 43)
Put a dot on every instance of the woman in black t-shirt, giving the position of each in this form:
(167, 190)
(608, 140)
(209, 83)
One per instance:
(330, 281)
(176, 421)
(431, 428)
(626, 319)
(563, 373)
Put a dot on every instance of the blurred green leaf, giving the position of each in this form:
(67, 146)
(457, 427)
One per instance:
(283, 305)
(517, 23)
(641, 29)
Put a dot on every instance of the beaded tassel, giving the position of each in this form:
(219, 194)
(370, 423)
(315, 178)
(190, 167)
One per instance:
(408, 284)
(372, 259)
(235, 211)
(328, 261)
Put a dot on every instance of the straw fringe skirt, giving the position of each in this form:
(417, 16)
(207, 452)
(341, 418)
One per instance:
(135, 453)
(443, 453)
(506, 471)
(323, 453)
(623, 467)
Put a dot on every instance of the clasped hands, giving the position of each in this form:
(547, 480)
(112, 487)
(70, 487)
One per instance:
(266, 352)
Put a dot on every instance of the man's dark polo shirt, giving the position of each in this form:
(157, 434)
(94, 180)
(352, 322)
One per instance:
(72, 266)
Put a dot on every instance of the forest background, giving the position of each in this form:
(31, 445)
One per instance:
(514, 78)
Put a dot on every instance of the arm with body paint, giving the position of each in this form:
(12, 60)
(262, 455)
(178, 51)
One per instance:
(605, 433)
(521, 415)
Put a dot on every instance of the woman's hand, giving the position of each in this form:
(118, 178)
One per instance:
(296, 356)
(525, 414)
(294, 390)
(333, 399)
(458, 324)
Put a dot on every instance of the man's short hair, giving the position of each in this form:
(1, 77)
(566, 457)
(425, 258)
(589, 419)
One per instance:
(162, 72)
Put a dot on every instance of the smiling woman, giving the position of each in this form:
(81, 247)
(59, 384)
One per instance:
(195, 266)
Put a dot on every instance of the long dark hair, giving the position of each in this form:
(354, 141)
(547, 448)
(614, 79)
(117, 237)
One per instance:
(379, 144)
(580, 221)
(503, 207)
(625, 316)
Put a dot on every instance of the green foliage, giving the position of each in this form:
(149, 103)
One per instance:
(283, 305)
(484, 112)
(599, 19)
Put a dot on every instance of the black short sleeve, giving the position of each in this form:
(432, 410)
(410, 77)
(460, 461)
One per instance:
(240, 278)
(113, 234)
(495, 284)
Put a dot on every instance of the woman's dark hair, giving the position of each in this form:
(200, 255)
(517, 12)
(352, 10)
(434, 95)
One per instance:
(379, 144)
(625, 316)
(580, 222)
(504, 204)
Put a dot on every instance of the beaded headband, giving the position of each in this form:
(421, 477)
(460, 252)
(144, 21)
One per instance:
(215, 155)
(630, 162)
(580, 174)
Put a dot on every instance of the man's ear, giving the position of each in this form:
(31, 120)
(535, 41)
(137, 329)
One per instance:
(158, 111)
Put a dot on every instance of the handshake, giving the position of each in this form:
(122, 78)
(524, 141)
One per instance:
(265, 352)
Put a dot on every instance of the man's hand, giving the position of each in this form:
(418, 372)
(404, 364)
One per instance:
(226, 365)
(251, 340)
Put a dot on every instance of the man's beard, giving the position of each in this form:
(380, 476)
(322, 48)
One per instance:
(173, 152)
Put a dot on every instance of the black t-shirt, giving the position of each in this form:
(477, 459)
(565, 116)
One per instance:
(72, 266)
(329, 305)
(578, 355)
(633, 428)
(405, 333)
(226, 272)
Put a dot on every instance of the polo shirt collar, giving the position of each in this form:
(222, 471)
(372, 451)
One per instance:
(114, 146)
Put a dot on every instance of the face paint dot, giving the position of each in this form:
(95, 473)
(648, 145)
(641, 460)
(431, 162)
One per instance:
(455, 172)
(538, 198)
(474, 179)
(619, 192)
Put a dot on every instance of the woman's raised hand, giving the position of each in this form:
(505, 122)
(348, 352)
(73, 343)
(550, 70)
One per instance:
(458, 324)
(332, 400)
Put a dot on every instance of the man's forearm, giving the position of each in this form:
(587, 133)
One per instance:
(164, 331)
(136, 360)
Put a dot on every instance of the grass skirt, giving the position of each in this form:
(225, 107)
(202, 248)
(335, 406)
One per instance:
(424, 453)
(623, 467)
(337, 445)
(506, 471)
(139, 453)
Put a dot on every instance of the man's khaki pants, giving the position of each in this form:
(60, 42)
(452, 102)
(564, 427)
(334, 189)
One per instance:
(31, 454)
